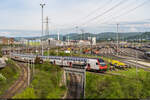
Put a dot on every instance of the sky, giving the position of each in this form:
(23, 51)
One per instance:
(23, 17)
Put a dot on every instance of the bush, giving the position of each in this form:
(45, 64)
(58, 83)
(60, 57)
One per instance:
(29, 93)
(115, 87)
(2, 78)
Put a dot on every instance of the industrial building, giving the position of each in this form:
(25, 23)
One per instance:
(6, 41)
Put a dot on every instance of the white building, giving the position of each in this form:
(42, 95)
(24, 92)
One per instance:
(93, 40)
(23, 41)
(53, 42)
(83, 42)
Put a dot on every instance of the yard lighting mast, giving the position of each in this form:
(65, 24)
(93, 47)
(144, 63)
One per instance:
(136, 62)
(76, 32)
(42, 6)
(47, 32)
(117, 39)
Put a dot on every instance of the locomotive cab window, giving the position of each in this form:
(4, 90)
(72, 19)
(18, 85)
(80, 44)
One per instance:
(100, 60)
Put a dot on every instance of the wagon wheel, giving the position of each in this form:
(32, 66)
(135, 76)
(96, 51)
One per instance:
(70, 64)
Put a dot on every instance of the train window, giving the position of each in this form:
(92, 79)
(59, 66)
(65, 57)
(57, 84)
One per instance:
(102, 64)
(100, 60)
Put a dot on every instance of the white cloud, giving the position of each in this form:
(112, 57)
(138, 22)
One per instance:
(64, 14)
(133, 29)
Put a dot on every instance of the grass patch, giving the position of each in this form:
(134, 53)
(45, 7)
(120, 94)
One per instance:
(118, 87)
(31, 43)
(131, 72)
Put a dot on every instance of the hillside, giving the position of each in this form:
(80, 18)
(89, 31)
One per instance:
(99, 36)
(145, 35)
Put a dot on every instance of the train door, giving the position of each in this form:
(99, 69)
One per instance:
(65, 60)
(58, 61)
(93, 64)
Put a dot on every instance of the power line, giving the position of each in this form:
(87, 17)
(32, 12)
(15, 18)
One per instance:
(128, 11)
(103, 7)
(124, 8)
(107, 11)
(94, 11)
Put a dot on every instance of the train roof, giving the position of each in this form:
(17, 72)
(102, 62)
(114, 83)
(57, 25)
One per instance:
(147, 52)
(57, 57)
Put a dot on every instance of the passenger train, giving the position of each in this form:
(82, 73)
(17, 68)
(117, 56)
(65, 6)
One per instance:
(96, 64)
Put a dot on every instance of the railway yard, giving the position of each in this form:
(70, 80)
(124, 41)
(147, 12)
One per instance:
(75, 49)
(125, 59)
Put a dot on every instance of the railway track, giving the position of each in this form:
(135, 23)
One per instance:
(74, 88)
(20, 84)
(125, 56)
(127, 61)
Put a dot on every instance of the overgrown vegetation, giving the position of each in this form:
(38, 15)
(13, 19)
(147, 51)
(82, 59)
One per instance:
(1, 51)
(46, 83)
(109, 86)
(8, 75)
